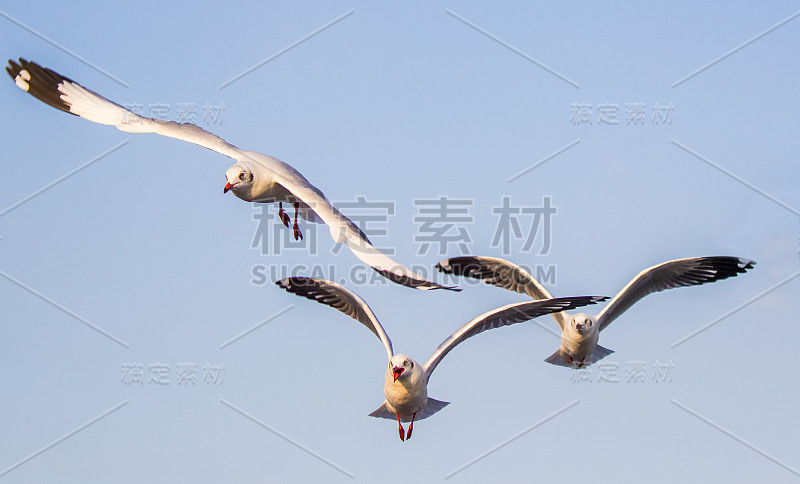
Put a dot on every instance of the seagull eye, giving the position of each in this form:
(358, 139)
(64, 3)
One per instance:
(241, 176)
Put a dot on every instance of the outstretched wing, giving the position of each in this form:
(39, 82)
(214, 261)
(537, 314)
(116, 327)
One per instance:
(676, 273)
(504, 316)
(341, 299)
(500, 273)
(67, 95)
(343, 230)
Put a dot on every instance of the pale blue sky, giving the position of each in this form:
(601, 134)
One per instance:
(398, 103)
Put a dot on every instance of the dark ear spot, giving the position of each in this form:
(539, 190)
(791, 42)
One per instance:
(251, 176)
(412, 365)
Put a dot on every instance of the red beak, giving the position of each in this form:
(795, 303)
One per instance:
(228, 186)
(397, 372)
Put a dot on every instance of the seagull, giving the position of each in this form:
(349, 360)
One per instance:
(406, 381)
(580, 332)
(254, 177)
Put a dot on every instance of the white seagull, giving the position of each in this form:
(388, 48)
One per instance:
(580, 332)
(406, 382)
(254, 178)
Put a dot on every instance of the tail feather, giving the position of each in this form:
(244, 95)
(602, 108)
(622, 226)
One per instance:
(561, 358)
(383, 412)
(431, 407)
(599, 353)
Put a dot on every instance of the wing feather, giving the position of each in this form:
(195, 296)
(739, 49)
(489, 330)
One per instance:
(343, 230)
(676, 273)
(500, 273)
(504, 316)
(67, 95)
(341, 299)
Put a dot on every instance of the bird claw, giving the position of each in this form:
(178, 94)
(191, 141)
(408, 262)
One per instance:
(295, 228)
(401, 429)
(283, 216)
(410, 429)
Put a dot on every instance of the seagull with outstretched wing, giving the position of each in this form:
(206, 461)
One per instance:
(406, 383)
(254, 178)
(580, 332)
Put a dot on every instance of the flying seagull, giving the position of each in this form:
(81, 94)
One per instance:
(580, 332)
(406, 382)
(254, 178)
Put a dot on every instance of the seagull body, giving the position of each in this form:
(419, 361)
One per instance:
(408, 395)
(406, 382)
(255, 177)
(580, 332)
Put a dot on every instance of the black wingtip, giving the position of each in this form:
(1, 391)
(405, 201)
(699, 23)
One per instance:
(727, 266)
(294, 284)
(449, 288)
(43, 83)
(745, 264)
(13, 68)
(466, 266)
(579, 301)
(459, 266)
(420, 284)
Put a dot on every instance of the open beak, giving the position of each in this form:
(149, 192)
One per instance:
(397, 372)
(228, 186)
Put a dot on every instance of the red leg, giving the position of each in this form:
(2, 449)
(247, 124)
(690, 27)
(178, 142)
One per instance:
(400, 428)
(283, 215)
(411, 427)
(296, 228)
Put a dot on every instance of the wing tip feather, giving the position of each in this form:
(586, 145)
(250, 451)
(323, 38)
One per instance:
(41, 83)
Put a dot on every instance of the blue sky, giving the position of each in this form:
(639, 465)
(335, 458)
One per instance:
(139, 260)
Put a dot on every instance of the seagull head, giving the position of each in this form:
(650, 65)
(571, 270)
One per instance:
(237, 177)
(582, 323)
(400, 366)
